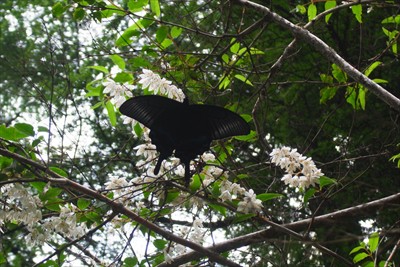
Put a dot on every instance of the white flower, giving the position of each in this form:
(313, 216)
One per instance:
(147, 150)
(250, 203)
(300, 171)
(116, 183)
(158, 85)
(117, 91)
(207, 156)
(167, 257)
(225, 196)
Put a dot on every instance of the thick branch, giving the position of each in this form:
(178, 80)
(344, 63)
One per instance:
(356, 212)
(327, 52)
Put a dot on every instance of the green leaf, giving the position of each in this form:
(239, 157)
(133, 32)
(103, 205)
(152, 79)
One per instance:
(11, 133)
(58, 9)
(171, 196)
(51, 193)
(268, 196)
(329, 5)
(351, 96)
(371, 68)
(110, 10)
(247, 138)
(311, 12)
(392, 19)
(130, 262)
(155, 7)
(368, 264)
(235, 48)
(394, 158)
(111, 113)
(324, 181)
(301, 9)
(357, 11)
(380, 80)
(373, 242)
(43, 129)
(358, 248)
(99, 68)
(25, 128)
(166, 43)
(339, 75)
(94, 217)
(161, 33)
(98, 104)
(225, 58)
(327, 93)
(39, 186)
(218, 208)
(54, 206)
(243, 79)
(160, 243)
(246, 117)
(175, 32)
(361, 97)
(123, 77)
(83, 203)
(2, 258)
(125, 38)
(117, 60)
(59, 171)
(134, 30)
(308, 194)
(138, 129)
(196, 182)
(360, 256)
(139, 62)
(137, 5)
(79, 14)
(5, 162)
(242, 217)
(225, 81)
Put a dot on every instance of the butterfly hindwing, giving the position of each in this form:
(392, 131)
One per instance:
(221, 122)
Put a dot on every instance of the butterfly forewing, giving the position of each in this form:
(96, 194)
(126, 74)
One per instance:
(148, 109)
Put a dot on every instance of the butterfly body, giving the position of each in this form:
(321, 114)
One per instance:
(186, 129)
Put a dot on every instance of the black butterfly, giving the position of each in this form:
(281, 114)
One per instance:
(187, 129)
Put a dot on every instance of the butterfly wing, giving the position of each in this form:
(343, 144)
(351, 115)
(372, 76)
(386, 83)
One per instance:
(148, 109)
(159, 114)
(220, 122)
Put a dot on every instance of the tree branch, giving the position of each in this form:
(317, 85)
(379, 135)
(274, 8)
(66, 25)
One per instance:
(327, 52)
(358, 211)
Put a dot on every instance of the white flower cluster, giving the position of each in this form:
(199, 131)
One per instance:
(126, 192)
(196, 234)
(160, 85)
(65, 224)
(20, 206)
(301, 171)
(249, 204)
(117, 91)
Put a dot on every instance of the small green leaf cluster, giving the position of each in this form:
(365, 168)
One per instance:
(355, 93)
(365, 254)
